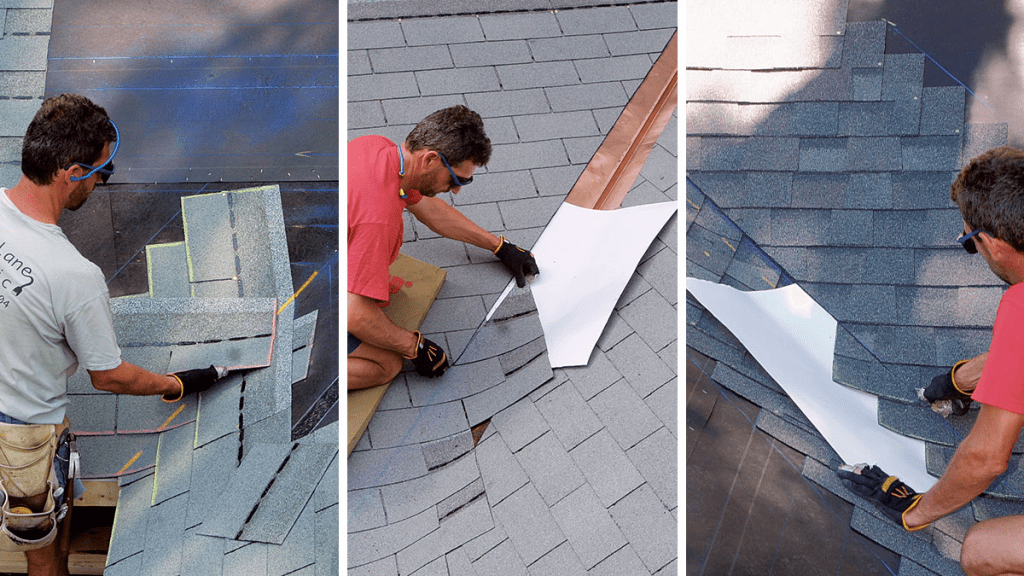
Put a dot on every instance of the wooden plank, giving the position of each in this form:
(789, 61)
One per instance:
(14, 563)
(414, 286)
(98, 493)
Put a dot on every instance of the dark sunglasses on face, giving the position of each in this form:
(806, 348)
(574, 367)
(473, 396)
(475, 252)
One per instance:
(456, 181)
(106, 169)
(967, 240)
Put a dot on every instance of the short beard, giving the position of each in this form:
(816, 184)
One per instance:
(78, 197)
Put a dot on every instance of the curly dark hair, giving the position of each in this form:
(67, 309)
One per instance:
(457, 132)
(68, 128)
(990, 193)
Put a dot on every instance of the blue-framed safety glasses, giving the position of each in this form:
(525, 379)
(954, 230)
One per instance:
(107, 168)
(456, 181)
(967, 240)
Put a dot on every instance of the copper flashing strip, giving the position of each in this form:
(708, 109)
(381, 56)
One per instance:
(616, 164)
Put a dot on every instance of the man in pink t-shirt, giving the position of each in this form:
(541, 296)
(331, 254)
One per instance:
(384, 178)
(990, 194)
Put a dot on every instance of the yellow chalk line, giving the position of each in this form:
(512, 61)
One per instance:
(171, 417)
(297, 292)
(129, 463)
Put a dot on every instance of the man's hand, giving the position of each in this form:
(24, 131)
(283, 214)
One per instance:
(430, 360)
(887, 493)
(518, 261)
(193, 381)
(944, 387)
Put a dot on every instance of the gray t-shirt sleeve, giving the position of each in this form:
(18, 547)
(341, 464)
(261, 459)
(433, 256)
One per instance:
(89, 330)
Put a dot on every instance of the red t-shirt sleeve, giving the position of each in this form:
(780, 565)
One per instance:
(1002, 379)
(370, 248)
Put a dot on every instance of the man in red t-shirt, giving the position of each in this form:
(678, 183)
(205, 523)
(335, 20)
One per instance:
(440, 154)
(990, 194)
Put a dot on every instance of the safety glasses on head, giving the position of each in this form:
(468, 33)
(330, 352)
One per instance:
(967, 240)
(106, 169)
(456, 181)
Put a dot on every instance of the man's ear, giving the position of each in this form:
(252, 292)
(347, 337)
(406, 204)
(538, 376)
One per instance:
(999, 250)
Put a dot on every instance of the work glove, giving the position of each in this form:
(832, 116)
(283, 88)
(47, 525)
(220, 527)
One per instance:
(944, 387)
(887, 493)
(430, 359)
(193, 381)
(518, 261)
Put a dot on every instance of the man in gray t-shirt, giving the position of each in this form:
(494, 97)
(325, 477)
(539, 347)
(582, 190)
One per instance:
(54, 305)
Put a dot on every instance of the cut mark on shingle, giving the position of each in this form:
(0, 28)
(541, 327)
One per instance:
(265, 490)
(297, 292)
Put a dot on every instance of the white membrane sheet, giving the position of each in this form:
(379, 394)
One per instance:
(793, 338)
(586, 258)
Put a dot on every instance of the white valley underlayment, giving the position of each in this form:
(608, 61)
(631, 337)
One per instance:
(793, 338)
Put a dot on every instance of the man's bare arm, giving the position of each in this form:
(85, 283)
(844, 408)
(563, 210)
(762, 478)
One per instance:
(980, 459)
(130, 379)
(450, 223)
(368, 323)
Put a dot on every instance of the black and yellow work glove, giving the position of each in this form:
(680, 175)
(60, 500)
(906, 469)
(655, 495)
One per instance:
(518, 261)
(430, 359)
(887, 493)
(193, 381)
(944, 387)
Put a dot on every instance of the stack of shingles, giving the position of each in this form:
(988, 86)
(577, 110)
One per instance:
(214, 484)
(854, 204)
(420, 482)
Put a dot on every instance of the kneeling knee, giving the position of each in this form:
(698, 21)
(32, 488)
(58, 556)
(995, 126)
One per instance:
(973, 557)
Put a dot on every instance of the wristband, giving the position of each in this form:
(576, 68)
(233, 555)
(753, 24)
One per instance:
(952, 377)
(903, 516)
(501, 242)
(180, 395)
(416, 349)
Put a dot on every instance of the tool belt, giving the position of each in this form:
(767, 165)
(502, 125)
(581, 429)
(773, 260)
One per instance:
(33, 500)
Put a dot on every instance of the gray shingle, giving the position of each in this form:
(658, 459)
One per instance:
(623, 561)
(382, 86)
(406, 499)
(280, 507)
(489, 53)
(106, 456)
(606, 467)
(131, 517)
(663, 402)
(164, 537)
(942, 109)
(866, 118)
(568, 415)
(445, 450)
(595, 21)
(299, 551)
(874, 154)
(461, 380)
(640, 42)
(550, 469)
(823, 154)
(537, 75)
(865, 43)
(405, 59)
(167, 269)
(916, 190)
(374, 34)
(241, 494)
(867, 83)
(624, 414)
(217, 414)
(647, 314)
(978, 138)
(902, 76)
(931, 152)
(797, 437)
(820, 190)
(426, 31)
(391, 428)
(365, 510)
(648, 526)
(517, 385)
(911, 545)
(524, 25)
(455, 530)
(588, 97)
(520, 424)
(498, 467)
(92, 412)
(568, 48)
(529, 524)
(502, 560)
(654, 457)
(173, 463)
(371, 545)
(326, 542)
(562, 561)
(588, 526)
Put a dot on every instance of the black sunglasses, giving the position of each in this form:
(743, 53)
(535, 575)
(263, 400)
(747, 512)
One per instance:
(967, 240)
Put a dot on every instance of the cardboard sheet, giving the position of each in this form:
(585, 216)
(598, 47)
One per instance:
(414, 285)
(794, 339)
(586, 258)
